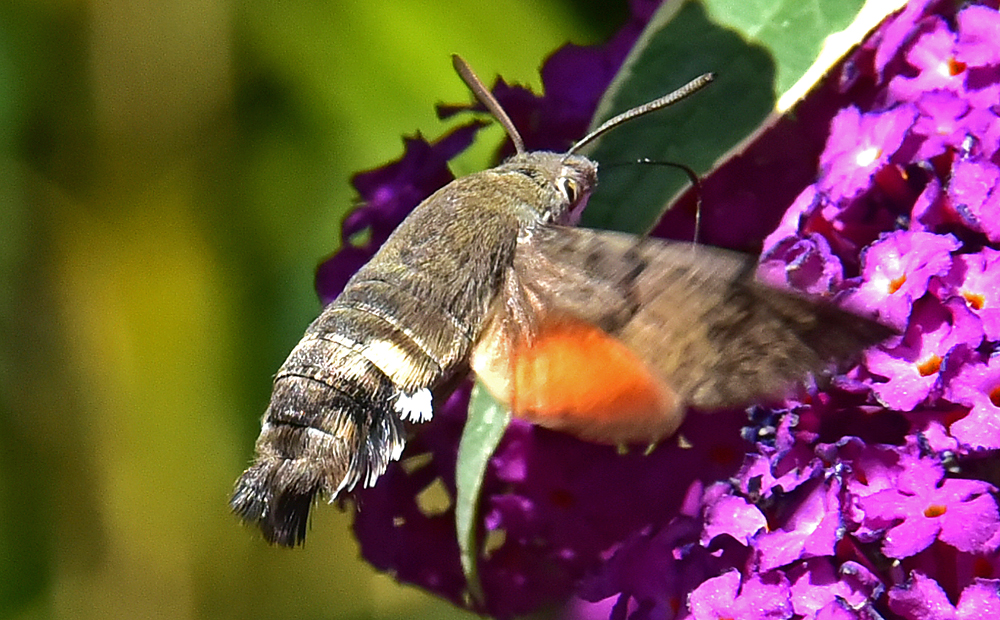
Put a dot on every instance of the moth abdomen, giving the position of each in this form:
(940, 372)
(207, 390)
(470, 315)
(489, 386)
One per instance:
(337, 411)
(322, 433)
(294, 465)
(412, 318)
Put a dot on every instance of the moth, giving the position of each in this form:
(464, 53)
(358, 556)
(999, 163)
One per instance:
(604, 335)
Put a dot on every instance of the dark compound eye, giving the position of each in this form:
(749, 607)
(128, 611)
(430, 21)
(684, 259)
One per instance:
(568, 187)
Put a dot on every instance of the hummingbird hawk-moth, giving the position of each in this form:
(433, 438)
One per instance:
(605, 335)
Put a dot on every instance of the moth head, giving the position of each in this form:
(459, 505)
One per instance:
(564, 181)
(563, 184)
(575, 182)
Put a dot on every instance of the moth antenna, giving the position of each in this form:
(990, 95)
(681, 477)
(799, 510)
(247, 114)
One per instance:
(681, 93)
(485, 97)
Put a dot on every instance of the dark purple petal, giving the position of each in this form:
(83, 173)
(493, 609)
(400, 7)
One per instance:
(571, 505)
(390, 193)
(395, 533)
(580, 609)
(333, 273)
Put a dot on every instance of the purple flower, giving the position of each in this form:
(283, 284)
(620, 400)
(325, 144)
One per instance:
(974, 194)
(973, 278)
(805, 264)
(896, 271)
(923, 598)
(574, 79)
(652, 573)
(811, 530)
(397, 531)
(792, 223)
(890, 39)
(775, 473)
(963, 62)
(923, 507)
(572, 507)
(872, 469)
(819, 588)
(930, 210)
(983, 133)
(858, 147)
(981, 599)
(912, 368)
(932, 55)
(731, 515)
(979, 28)
(764, 596)
(930, 427)
(977, 385)
(941, 122)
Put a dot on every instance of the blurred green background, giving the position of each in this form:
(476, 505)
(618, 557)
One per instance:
(170, 174)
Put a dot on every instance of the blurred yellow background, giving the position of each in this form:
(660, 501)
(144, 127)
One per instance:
(170, 175)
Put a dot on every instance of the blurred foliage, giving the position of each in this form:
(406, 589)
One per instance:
(170, 174)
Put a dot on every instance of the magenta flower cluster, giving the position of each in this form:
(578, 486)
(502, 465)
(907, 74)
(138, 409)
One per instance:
(872, 497)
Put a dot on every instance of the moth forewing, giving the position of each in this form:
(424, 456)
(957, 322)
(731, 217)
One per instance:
(627, 333)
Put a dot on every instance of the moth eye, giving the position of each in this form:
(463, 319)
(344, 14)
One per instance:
(568, 187)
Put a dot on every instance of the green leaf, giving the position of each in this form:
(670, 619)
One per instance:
(762, 52)
(488, 419)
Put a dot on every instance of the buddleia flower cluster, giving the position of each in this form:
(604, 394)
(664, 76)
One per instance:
(872, 495)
